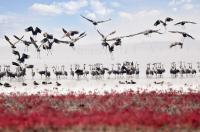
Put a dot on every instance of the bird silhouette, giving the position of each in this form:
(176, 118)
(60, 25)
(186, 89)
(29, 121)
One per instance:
(175, 44)
(7, 85)
(182, 23)
(22, 58)
(164, 23)
(33, 31)
(184, 34)
(24, 84)
(15, 64)
(26, 43)
(58, 84)
(48, 36)
(95, 22)
(69, 33)
(146, 32)
(104, 37)
(74, 40)
(35, 83)
(11, 44)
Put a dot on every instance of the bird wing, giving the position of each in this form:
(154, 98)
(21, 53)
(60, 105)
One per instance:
(190, 36)
(176, 32)
(44, 40)
(100, 34)
(15, 64)
(78, 38)
(157, 23)
(25, 56)
(65, 31)
(178, 23)
(137, 34)
(172, 45)
(82, 34)
(104, 21)
(34, 43)
(157, 31)
(38, 30)
(190, 22)
(16, 53)
(7, 39)
(18, 39)
(29, 29)
(111, 33)
(87, 19)
(168, 19)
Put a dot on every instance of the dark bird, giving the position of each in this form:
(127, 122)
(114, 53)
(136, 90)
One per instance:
(120, 82)
(118, 40)
(22, 58)
(48, 36)
(146, 32)
(161, 83)
(95, 22)
(184, 34)
(44, 83)
(29, 66)
(26, 43)
(34, 31)
(104, 38)
(47, 44)
(7, 85)
(35, 83)
(74, 40)
(164, 23)
(58, 84)
(175, 44)
(133, 82)
(182, 23)
(11, 44)
(15, 64)
(69, 33)
(24, 84)
(37, 47)
(49, 83)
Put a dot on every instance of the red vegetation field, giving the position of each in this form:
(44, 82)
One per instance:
(127, 111)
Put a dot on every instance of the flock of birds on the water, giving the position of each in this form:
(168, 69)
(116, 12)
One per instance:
(70, 38)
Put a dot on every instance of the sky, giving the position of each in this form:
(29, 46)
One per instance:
(128, 17)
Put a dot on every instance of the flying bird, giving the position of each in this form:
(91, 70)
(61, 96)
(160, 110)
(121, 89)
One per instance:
(69, 33)
(182, 23)
(184, 34)
(164, 23)
(37, 47)
(21, 58)
(146, 33)
(34, 31)
(49, 36)
(11, 44)
(95, 23)
(26, 43)
(15, 64)
(176, 44)
(104, 38)
(74, 40)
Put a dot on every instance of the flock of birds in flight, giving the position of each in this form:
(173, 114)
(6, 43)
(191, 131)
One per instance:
(72, 37)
